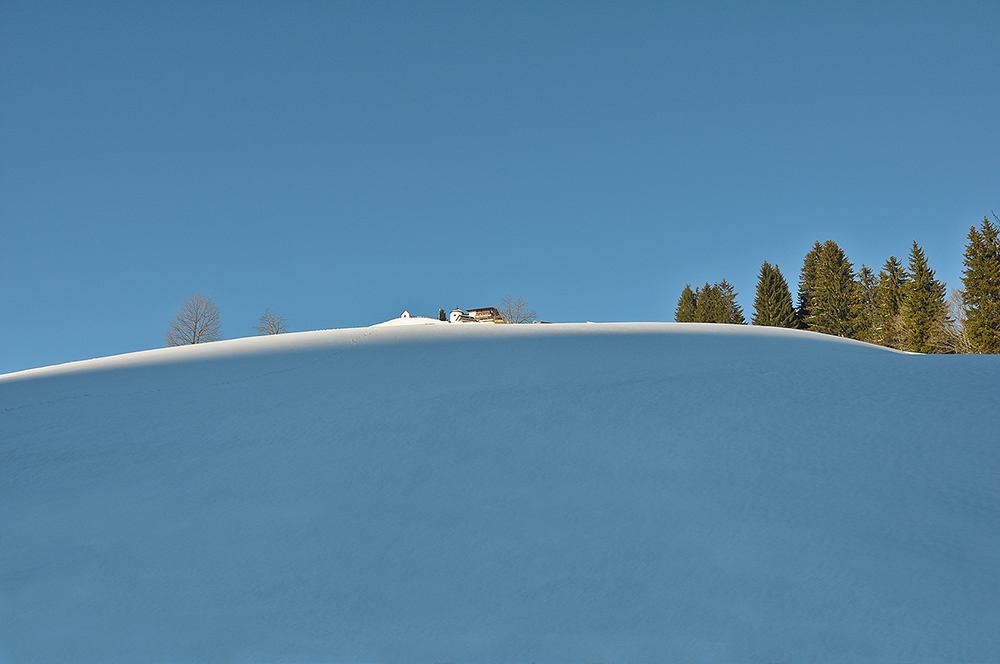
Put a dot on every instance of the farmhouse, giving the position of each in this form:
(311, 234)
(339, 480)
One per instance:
(487, 315)
(480, 315)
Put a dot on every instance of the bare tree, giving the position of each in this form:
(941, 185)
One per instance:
(516, 311)
(271, 323)
(949, 334)
(197, 322)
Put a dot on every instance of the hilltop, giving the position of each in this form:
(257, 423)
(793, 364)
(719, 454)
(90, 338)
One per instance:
(634, 492)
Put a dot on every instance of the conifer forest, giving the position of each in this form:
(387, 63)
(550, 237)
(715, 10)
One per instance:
(902, 306)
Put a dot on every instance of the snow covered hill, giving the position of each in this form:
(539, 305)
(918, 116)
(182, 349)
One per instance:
(624, 493)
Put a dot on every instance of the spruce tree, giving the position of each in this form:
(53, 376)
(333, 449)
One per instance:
(833, 300)
(864, 328)
(715, 303)
(981, 296)
(711, 308)
(731, 311)
(773, 304)
(923, 308)
(889, 298)
(807, 282)
(686, 306)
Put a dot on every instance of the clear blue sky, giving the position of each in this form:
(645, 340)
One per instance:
(341, 162)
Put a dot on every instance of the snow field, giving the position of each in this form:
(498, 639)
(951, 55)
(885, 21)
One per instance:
(478, 493)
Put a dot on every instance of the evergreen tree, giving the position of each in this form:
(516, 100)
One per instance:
(715, 303)
(686, 306)
(981, 297)
(710, 307)
(731, 311)
(924, 309)
(833, 300)
(864, 328)
(773, 304)
(807, 282)
(442, 315)
(889, 298)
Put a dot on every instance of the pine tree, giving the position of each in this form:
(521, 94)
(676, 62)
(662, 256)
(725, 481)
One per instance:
(773, 304)
(981, 296)
(710, 308)
(864, 328)
(833, 300)
(807, 282)
(889, 298)
(686, 306)
(715, 303)
(731, 312)
(924, 308)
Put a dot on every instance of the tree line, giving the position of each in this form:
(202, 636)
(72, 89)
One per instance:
(902, 307)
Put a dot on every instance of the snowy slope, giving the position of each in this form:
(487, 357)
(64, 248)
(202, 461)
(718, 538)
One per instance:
(475, 493)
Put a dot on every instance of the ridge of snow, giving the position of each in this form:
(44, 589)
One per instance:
(298, 341)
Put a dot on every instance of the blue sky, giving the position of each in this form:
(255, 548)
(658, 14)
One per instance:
(341, 162)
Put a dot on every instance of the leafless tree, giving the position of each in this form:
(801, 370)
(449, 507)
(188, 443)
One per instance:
(197, 323)
(271, 323)
(892, 333)
(948, 334)
(516, 311)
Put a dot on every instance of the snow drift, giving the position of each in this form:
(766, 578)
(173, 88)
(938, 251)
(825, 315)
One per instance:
(478, 493)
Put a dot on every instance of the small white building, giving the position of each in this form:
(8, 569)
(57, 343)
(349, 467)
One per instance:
(459, 316)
